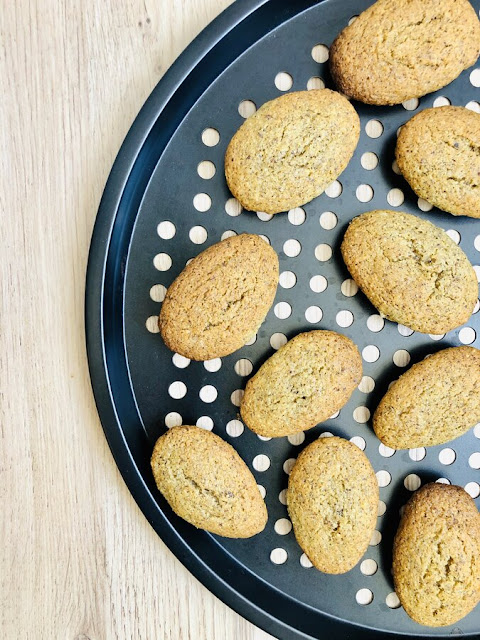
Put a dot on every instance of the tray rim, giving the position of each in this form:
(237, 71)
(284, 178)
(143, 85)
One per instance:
(99, 250)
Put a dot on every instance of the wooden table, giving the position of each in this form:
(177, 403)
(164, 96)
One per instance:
(78, 559)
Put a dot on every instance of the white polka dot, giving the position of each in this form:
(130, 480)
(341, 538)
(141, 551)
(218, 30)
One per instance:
(454, 235)
(234, 428)
(359, 442)
(476, 268)
(436, 336)
(305, 562)
(474, 460)
(334, 189)
(173, 419)
(282, 496)
(243, 367)
(395, 168)
(423, 205)
(369, 160)
(233, 207)
(180, 361)
(152, 324)
(352, 20)
(476, 430)
(287, 279)
(208, 393)
(441, 101)
(476, 243)
(278, 556)
(297, 438)
(318, 284)
(212, 365)
(384, 451)
(292, 248)
(205, 422)
(320, 53)
(367, 385)
(198, 235)
(282, 310)
(251, 340)
(246, 108)
(361, 415)
(349, 288)
(467, 335)
(162, 262)
(364, 596)
(228, 234)
(412, 482)
(375, 323)
(410, 105)
(297, 216)
(202, 202)
(166, 230)
(375, 539)
(265, 239)
(374, 128)
(404, 331)
(210, 137)
(475, 77)
(368, 567)
(177, 390)
(381, 508)
(417, 454)
(401, 358)
(383, 478)
(473, 106)
(206, 169)
(392, 600)
(288, 465)
(277, 340)
(264, 217)
(370, 353)
(344, 318)
(283, 81)
(157, 293)
(283, 526)
(328, 220)
(364, 193)
(263, 438)
(236, 397)
(476, 308)
(323, 252)
(313, 314)
(315, 83)
(473, 489)
(262, 490)
(442, 481)
(261, 462)
(395, 197)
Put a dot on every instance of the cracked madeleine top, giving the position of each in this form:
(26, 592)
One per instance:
(291, 149)
(220, 299)
(410, 270)
(402, 49)
(438, 152)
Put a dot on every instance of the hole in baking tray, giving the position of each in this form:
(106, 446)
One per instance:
(157, 292)
(385, 452)
(206, 169)
(263, 491)
(467, 335)
(381, 508)
(292, 248)
(283, 81)
(261, 462)
(329, 434)
(162, 262)
(305, 562)
(315, 82)
(473, 106)
(375, 323)
(334, 189)
(359, 442)
(198, 235)
(212, 365)
(361, 415)
(395, 168)
(404, 331)
(320, 53)
(233, 207)
(473, 489)
(177, 390)
(328, 220)
(364, 193)
(323, 252)
(166, 230)
(368, 567)
(277, 340)
(367, 384)
(236, 397)
(235, 428)
(288, 465)
(370, 353)
(375, 539)
(152, 324)
(173, 419)
(287, 279)
(383, 478)
(395, 197)
(228, 234)
(474, 460)
(282, 496)
(475, 77)
(208, 393)
(352, 20)
(443, 481)
(417, 454)
(278, 556)
(349, 288)
(454, 235)
(313, 314)
(392, 600)
(401, 358)
(210, 137)
(243, 367)
(344, 318)
(202, 202)
(423, 205)
(441, 101)
(364, 596)
(297, 216)
(180, 361)
(412, 482)
(205, 422)
(282, 310)
(297, 438)
(264, 217)
(318, 283)
(283, 526)
(369, 160)
(411, 105)
(374, 128)
(247, 108)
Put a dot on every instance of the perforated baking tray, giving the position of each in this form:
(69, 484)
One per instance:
(166, 200)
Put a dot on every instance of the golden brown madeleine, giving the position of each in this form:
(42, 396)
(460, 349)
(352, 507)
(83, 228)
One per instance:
(410, 270)
(438, 152)
(220, 299)
(434, 402)
(436, 555)
(332, 500)
(291, 149)
(402, 49)
(206, 483)
(303, 383)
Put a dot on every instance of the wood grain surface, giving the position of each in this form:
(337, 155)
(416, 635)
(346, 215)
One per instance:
(78, 559)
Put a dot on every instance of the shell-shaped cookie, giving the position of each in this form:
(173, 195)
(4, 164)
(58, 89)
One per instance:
(303, 383)
(410, 270)
(402, 49)
(206, 483)
(436, 555)
(220, 299)
(434, 402)
(291, 149)
(438, 152)
(332, 501)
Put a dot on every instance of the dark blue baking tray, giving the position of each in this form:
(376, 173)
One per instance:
(158, 211)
